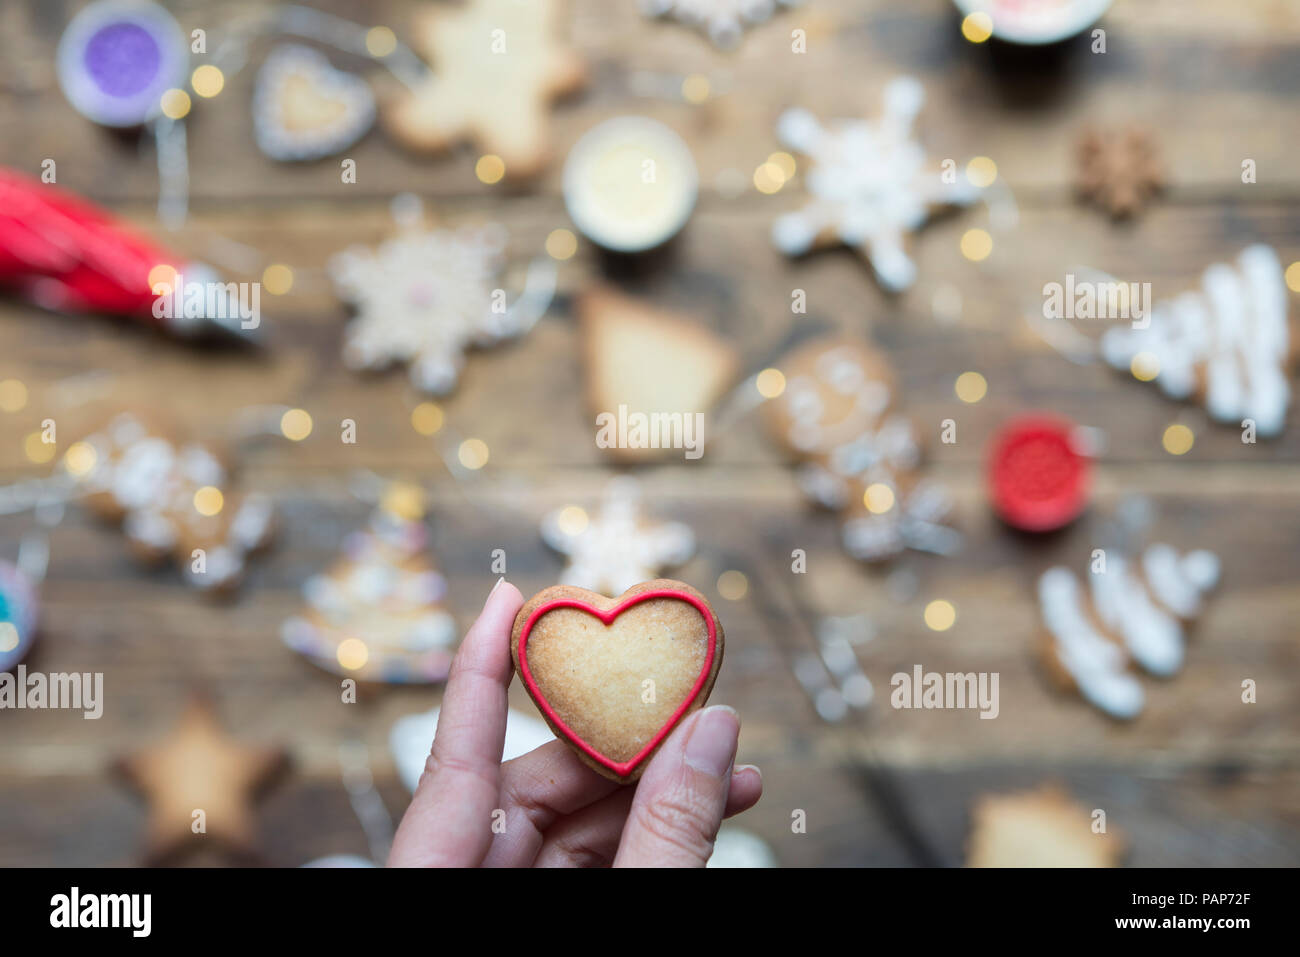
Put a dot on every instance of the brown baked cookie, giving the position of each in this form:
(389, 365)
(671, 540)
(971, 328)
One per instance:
(496, 65)
(836, 389)
(614, 676)
(1040, 828)
(650, 373)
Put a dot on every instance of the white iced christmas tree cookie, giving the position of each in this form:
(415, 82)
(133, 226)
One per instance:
(1226, 344)
(1132, 612)
(870, 184)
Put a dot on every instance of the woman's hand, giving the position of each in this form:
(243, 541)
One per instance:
(547, 808)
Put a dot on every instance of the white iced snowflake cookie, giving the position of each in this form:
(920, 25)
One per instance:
(723, 21)
(618, 547)
(423, 298)
(1226, 344)
(869, 183)
(1132, 612)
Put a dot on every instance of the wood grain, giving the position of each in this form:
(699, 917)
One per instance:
(1200, 778)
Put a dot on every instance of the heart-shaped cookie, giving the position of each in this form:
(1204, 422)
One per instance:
(304, 109)
(614, 676)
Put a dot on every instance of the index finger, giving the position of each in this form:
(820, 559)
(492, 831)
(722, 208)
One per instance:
(449, 820)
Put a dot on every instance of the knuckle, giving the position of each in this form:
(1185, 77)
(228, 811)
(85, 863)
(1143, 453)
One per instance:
(680, 818)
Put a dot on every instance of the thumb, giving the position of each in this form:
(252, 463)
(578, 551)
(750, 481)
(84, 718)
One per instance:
(681, 798)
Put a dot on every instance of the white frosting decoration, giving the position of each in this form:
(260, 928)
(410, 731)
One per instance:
(1153, 637)
(869, 183)
(424, 298)
(1234, 333)
(1098, 666)
(618, 548)
(722, 20)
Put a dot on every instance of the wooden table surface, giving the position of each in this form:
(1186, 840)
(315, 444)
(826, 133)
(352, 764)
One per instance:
(1199, 778)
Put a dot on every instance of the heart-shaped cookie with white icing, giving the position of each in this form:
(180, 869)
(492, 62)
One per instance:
(305, 109)
(614, 676)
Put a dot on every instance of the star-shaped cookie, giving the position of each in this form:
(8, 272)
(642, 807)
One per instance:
(619, 547)
(198, 767)
(870, 185)
(496, 66)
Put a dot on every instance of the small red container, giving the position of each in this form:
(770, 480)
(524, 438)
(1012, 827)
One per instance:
(1038, 479)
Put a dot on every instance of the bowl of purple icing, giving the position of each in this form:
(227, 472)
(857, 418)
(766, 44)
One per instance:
(118, 57)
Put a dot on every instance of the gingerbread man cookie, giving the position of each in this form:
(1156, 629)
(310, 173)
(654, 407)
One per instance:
(496, 66)
(838, 418)
(173, 497)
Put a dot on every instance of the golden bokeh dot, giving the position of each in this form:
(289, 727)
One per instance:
(976, 244)
(770, 383)
(175, 104)
(878, 498)
(473, 454)
(572, 520)
(380, 41)
(784, 162)
(977, 27)
(695, 88)
(352, 654)
(489, 169)
(295, 424)
(404, 500)
(8, 637)
(970, 387)
(209, 501)
(427, 418)
(80, 458)
(207, 80)
(1145, 366)
(561, 244)
(277, 279)
(981, 171)
(1293, 277)
(1178, 439)
(769, 178)
(733, 585)
(162, 278)
(37, 449)
(940, 615)
(13, 395)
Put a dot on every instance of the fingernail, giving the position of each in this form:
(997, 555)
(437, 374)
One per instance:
(712, 744)
(500, 581)
(747, 767)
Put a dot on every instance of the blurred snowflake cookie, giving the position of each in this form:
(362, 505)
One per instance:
(870, 185)
(723, 21)
(423, 298)
(618, 547)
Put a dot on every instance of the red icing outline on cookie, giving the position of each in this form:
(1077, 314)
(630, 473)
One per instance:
(624, 768)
